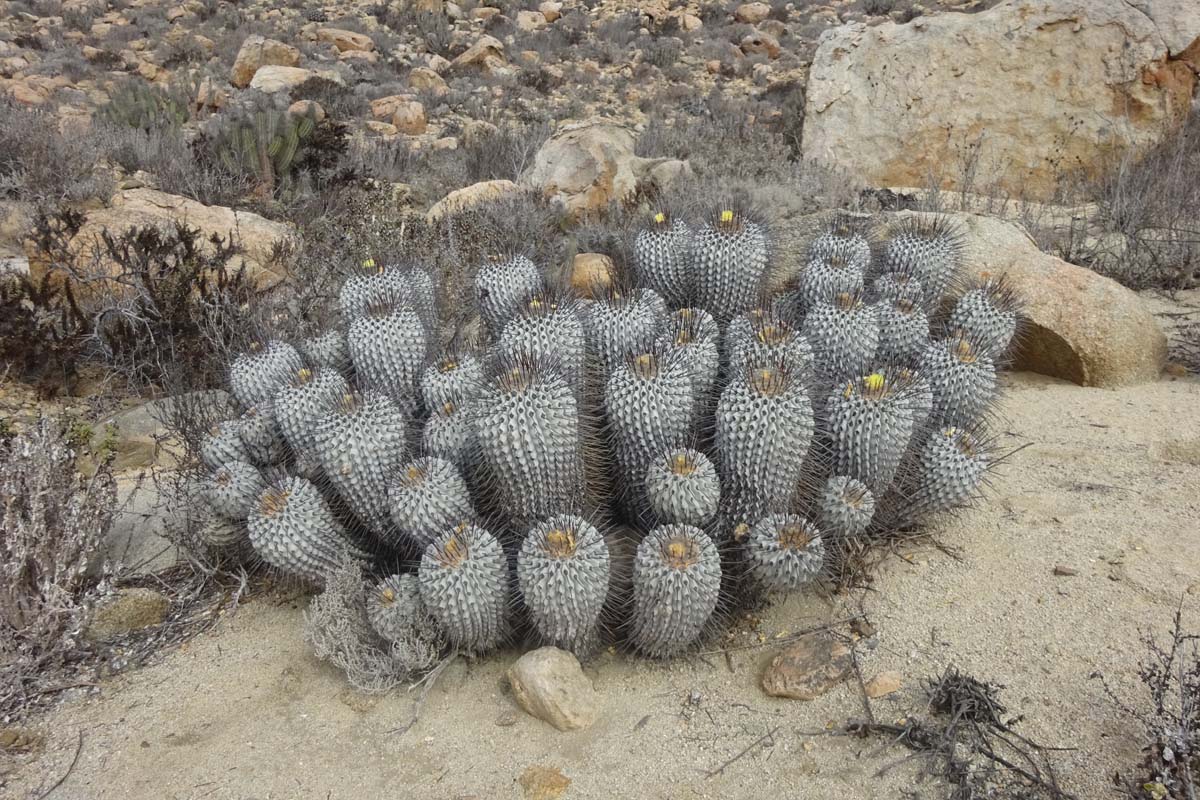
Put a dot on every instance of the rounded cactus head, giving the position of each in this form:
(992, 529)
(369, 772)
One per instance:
(695, 338)
(845, 506)
(763, 335)
(564, 572)
(731, 257)
(548, 328)
(292, 529)
(963, 380)
(464, 584)
(233, 490)
(299, 405)
(256, 374)
(682, 487)
(389, 346)
(449, 434)
(903, 332)
(784, 552)
(223, 443)
(988, 315)
(930, 249)
(844, 335)
(327, 350)
(843, 244)
(428, 497)
(621, 320)
(869, 422)
(662, 256)
(397, 612)
(676, 585)
(260, 434)
(949, 471)
(501, 285)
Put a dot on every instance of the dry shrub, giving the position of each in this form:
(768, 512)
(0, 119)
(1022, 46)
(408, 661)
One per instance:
(52, 521)
(41, 165)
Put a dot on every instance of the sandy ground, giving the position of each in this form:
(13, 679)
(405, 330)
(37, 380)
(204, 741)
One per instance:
(1108, 484)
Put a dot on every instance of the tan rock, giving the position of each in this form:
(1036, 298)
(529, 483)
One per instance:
(484, 13)
(531, 20)
(307, 108)
(591, 274)
(446, 143)
(362, 56)
(345, 40)
(549, 684)
(752, 13)
(883, 684)
(468, 196)
(25, 94)
(128, 611)
(760, 44)
(1040, 84)
(385, 107)
(423, 79)
(808, 668)
(551, 11)
(257, 51)
(273, 79)
(543, 783)
(487, 54)
(690, 22)
(409, 118)
(381, 128)
(211, 96)
(436, 63)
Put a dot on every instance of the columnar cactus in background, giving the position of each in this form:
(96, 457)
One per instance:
(628, 465)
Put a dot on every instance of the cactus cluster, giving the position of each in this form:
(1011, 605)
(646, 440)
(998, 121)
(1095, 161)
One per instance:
(628, 466)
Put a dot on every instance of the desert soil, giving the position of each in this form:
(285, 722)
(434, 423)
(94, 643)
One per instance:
(1106, 485)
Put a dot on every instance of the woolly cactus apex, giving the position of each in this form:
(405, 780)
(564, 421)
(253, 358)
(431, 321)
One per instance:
(260, 434)
(527, 426)
(869, 423)
(963, 380)
(501, 286)
(224, 444)
(232, 490)
(450, 435)
(453, 378)
(619, 322)
(427, 498)
(372, 283)
(893, 286)
(389, 347)
(987, 315)
(676, 583)
(301, 403)
(844, 240)
(844, 335)
(846, 507)
(662, 257)
(763, 336)
(730, 260)
(950, 469)
(549, 329)
(292, 529)
(682, 487)
(693, 336)
(359, 443)
(650, 404)
(397, 612)
(563, 570)
(464, 583)
(764, 429)
(930, 250)
(784, 552)
(329, 350)
(255, 375)
(903, 332)
(823, 279)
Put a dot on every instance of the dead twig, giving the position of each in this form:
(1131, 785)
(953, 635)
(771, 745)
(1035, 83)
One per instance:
(721, 769)
(70, 769)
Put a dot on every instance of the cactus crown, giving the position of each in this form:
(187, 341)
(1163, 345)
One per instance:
(682, 464)
(561, 542)
(795, 535)
(303, 377)
(453, 552)
(848, 301)
(680, 551)
(272, 501)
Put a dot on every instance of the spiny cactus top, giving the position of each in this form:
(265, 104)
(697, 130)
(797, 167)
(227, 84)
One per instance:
(929, 250)
(676, 585)
(731, 259)
(662, 253)
(299, 404)
(256, 375)
(846, 507)
(501, 286)
(428, 497)
(454, 378)
(682, 487)
(844, 335)
(548, 328)
(785, 552)
(389, 347)
(869, 422)
(842, 243)
(963, 380)
(464, 583)
(987, 315)
(763, 336)
(621, 321)
(564, 572)
(292, 528)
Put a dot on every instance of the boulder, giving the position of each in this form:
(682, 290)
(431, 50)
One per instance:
(423, 79)
(808, 668)
(131, 208)
(531, 20)
(486, 54)
(1081, 326)
(345, 40)
(549, 684)
(127, 611)
(257, 51)
(409, 118)
(139, 437)
(384, 108)
(587, 165)
(1035, 85)
(752, 13)
(759, 43)
(272, 79)
(591, 274)
(476, 193)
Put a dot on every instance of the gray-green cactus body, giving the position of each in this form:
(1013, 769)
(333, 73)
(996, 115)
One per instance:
(527, 426)
(428, 497)
(465, 586)
(949, 472)
(372, 284)
(397, 612)
(987, 315)
(292, 529)
(302, 402)
(564, 570)
(784, 552)
(903, 332)
(260, 434)
(930, 251)
(223, 444)
(763, 336)
(255, 375)
(449, 434)
(869, 423)
(823, 279)
(844, 239)
(502, 286)
(764, 427)
(693, 337)
(389, 347)
(963, 381)
(360, 443)
(650, 404)
(620, 322)
(662, 257)
(730, 260)
(676, 585)
(845, 507)
(549, 329)
(232, 490)
(682, 488)
(896, 286)
(844, 336)
(456, 378)
(328, 350)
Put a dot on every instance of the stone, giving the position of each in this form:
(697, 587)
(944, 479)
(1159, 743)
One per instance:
(1062, 570)
(409, 118)
(883, 684)
(752, 13)
(1080, 326)
(1037, 85)
(258, 51)
(587, 165)
(690, 22)
(345, 40)
(486, 54)
(759, 43)
(384, 108)
(307, 108)
(543, 783)
(531, 20)
(461, 199)
(549, 684)
(424, 79)
(272, 79)
(551, 10)
(127, 611)
(381, 128)
(808, 668)
(139, 437)
(131, 208)
(591, 273)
